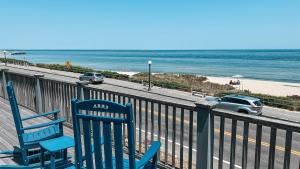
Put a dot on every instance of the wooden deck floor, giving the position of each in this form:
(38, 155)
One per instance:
(8, 135)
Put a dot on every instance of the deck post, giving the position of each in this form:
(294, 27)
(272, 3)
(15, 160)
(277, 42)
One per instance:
(4, 83)
(38, 93)
(205, 135)
(81, 90)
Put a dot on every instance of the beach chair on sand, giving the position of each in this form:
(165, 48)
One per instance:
(30, 136)
(93, 126)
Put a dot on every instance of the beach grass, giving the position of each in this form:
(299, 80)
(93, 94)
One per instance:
(80, 69)
(183, 82)
(15, 61)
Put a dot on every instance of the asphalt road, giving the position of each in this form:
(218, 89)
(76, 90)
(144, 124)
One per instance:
(186, 98)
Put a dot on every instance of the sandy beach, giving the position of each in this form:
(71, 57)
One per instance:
(262, 86)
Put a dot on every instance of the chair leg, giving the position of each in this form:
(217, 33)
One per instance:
(52, 159)
(154, 162)
(24, 157)
(65, 154)
(42, 157)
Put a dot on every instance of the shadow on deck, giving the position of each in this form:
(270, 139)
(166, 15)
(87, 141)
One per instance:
(8, 135)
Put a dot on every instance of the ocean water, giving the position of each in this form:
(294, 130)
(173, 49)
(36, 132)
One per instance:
(276, 65)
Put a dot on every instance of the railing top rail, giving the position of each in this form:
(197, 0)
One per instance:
(150, 97)
(265, 121)
(40, 75)
(20, 73)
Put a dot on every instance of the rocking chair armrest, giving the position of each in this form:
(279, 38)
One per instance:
(41, 115)
(150, 154)
(44, 124)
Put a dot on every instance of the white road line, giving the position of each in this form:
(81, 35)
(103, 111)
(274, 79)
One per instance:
(186, 147)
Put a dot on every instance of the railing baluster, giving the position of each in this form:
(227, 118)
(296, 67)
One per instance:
(105, 97)
(134, 110)
(119, 99)
(124, 125)
(159, 125)
(64, 99)
(124, 100)
(101, 93)
(181, 136)
(38, 92)
(66, 91)
(109, 96)
(272, 148)
(287, 152)
(233, 144)
(4, 82)
(152, 121)
(146, 125)
(173, 136)
(190, 155)
(258, 146)
(245, 145)
(114, 100)
(140, 126)
(221, 142)
(166, 132)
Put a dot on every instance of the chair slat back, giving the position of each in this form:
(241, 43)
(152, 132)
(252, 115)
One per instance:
(14, 108)
(94, 125)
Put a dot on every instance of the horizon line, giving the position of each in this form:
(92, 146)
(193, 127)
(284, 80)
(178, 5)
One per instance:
(155, 49)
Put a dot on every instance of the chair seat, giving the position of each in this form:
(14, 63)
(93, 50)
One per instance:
(43, 134)
(56, 144)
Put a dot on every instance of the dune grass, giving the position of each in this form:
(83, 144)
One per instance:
(183, 82)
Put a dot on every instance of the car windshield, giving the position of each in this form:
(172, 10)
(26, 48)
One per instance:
(98, 75)
(257, 103)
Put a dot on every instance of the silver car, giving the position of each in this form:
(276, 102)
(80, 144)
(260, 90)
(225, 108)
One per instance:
(238, 103)
(92, 77)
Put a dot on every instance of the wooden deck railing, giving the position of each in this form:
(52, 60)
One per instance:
(188, 131)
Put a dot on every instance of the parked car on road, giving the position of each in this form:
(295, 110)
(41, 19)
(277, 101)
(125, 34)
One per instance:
(238, 103)
(92, 77)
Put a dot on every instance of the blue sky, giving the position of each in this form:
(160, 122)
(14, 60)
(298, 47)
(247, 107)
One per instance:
(149, 24)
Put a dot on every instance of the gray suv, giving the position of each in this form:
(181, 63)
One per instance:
(92, 77)
(239, 103)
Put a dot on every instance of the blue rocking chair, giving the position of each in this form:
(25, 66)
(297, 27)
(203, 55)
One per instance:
(94, 126)
(28, 139)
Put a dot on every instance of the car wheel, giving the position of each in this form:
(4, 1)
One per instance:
(91, 81)
(243, 111)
